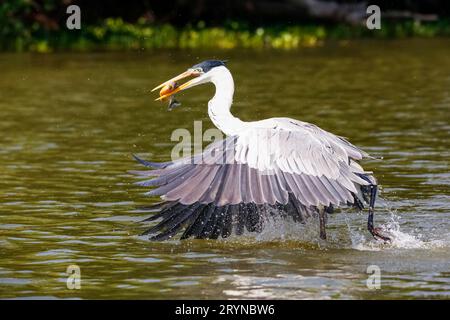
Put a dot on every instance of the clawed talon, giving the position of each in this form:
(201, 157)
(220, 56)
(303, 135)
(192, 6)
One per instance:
(376, 233)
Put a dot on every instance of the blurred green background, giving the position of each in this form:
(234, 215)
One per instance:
(40, 25)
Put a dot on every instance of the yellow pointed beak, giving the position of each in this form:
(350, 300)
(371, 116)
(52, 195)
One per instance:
(181, 76)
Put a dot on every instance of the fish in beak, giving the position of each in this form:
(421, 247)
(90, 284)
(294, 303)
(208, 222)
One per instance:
(171, 86)
(167, 91)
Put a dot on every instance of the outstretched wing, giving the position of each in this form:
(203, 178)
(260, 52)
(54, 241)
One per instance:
(291, 168)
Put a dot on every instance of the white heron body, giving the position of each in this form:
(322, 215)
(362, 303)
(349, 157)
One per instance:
(278, 163)
(285, 144)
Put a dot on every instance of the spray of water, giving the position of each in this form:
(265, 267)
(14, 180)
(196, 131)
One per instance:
(399, 239)
(345, 230)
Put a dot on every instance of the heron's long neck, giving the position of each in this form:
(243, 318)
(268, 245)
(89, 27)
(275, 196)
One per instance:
(219, 106)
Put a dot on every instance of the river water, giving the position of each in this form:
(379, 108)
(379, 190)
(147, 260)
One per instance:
(70, 122)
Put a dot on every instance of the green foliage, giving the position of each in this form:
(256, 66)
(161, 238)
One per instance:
(20, 28)
(14, 34)
(116, 34)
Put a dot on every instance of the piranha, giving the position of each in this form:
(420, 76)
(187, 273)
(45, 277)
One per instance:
(168, 88)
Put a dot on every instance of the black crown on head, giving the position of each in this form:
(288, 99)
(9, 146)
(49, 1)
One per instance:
(209, 64)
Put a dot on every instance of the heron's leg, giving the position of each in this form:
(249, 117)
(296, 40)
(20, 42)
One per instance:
(323, 222)
(374, 231)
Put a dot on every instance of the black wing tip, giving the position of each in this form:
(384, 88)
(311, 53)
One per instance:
(203, 221)
(209, 221)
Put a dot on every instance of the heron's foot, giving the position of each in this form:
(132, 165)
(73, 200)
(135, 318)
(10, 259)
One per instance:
(376, 233)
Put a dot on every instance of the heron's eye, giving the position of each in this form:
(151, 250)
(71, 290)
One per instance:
(199, 70)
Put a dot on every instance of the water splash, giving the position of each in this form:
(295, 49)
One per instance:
(342, 233)
(399, 239)
(285, 229)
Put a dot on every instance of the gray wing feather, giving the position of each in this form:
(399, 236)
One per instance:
(316, 167)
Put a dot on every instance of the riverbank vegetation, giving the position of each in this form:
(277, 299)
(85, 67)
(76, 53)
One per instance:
(40, 25)
(116, 34)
